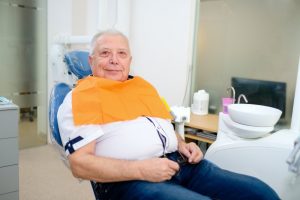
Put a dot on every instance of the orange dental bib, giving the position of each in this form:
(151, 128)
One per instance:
(99, 101)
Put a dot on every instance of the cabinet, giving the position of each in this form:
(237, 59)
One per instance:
(202, 128)
(9, 152)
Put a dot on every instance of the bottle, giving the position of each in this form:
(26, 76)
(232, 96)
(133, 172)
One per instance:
(200, 103)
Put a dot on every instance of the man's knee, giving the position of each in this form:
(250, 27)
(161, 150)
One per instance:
(261, 191)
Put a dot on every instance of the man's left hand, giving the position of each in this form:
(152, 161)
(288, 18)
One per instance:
(191, 151)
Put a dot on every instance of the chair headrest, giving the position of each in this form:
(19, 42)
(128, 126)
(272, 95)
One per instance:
(77, 62)
(58, 94)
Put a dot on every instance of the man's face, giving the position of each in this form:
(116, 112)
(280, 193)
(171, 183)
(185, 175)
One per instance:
(111, 58)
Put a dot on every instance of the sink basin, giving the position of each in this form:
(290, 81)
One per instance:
(244, 131)
(254, 115)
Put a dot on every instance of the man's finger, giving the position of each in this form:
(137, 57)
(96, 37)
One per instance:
(173, 165)
(185, 151)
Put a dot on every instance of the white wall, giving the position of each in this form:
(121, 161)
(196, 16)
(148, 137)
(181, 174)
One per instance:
(161, 36)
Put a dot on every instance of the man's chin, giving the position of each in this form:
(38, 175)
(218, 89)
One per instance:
(116, 77)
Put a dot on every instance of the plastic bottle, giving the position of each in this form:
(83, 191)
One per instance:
(200, 103)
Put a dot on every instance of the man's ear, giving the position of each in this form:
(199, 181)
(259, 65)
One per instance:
(90, 60)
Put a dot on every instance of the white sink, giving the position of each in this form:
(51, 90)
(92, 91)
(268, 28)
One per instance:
(254, 115)
(244, 131)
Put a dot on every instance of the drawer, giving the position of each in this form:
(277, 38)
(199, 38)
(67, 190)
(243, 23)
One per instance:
(9, 123)
(9, 151)
(10, 196)
(9, 179)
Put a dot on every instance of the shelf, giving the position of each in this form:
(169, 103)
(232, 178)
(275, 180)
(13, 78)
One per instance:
(198, 138)
(207, 122)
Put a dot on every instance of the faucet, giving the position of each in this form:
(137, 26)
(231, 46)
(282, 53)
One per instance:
(233, 92)
(244, 97)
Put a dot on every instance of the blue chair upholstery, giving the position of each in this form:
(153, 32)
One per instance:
(58, 94)
(77, 63)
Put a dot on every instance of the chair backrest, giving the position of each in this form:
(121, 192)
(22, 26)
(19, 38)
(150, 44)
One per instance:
(59, 91)
(77, 63)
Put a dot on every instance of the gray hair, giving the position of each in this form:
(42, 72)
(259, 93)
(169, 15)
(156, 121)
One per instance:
(106, 32)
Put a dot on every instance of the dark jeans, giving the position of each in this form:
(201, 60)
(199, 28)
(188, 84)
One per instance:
(194, 181)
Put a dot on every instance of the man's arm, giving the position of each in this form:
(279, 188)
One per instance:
(190, 150)
(84, 164)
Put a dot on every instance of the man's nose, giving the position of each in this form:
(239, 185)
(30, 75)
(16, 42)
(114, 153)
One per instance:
(113, 59)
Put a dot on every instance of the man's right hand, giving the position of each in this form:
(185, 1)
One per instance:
(157, 169)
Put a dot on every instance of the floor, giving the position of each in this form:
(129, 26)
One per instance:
(43, 176)
(42, 173)
(28, 136)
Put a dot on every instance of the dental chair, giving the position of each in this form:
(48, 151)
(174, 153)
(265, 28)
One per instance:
(77, 64)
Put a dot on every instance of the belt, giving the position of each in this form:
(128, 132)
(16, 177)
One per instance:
(176, 157)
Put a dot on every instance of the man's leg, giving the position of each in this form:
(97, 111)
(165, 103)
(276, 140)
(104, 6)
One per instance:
(210, 180)
(143, 190)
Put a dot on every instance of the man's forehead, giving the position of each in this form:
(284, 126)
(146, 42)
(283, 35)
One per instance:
(112, 38)
(112, 44)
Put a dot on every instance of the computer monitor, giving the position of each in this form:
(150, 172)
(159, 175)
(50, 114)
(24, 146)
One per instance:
(262, 92)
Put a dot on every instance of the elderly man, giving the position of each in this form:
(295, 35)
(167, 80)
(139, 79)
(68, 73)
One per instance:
(117, 132)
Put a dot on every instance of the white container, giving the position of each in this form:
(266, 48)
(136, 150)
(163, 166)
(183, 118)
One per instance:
(200, 103)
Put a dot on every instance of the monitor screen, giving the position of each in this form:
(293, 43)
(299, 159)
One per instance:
(268, 93)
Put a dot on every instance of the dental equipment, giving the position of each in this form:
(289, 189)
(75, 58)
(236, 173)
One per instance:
(272, 157)
(60, 46)
(181, 115)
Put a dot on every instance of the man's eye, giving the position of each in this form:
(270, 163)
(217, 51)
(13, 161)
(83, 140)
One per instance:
(123, 54)
(104, 53)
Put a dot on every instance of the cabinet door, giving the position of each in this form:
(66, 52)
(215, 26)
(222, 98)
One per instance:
(9, 123)
(9, 179)
(9, 151)
(10, 196)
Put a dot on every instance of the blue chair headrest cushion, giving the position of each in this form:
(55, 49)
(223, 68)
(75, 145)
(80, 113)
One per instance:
(77, 62)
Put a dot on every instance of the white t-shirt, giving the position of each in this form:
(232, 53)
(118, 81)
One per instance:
(136, 139)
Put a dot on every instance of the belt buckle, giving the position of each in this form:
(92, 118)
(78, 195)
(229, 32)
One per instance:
(181, 160)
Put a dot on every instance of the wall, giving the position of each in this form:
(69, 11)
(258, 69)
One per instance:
(252, 39)
(161, 35)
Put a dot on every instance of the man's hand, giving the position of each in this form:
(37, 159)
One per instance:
(189, 150)
(157, 169)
